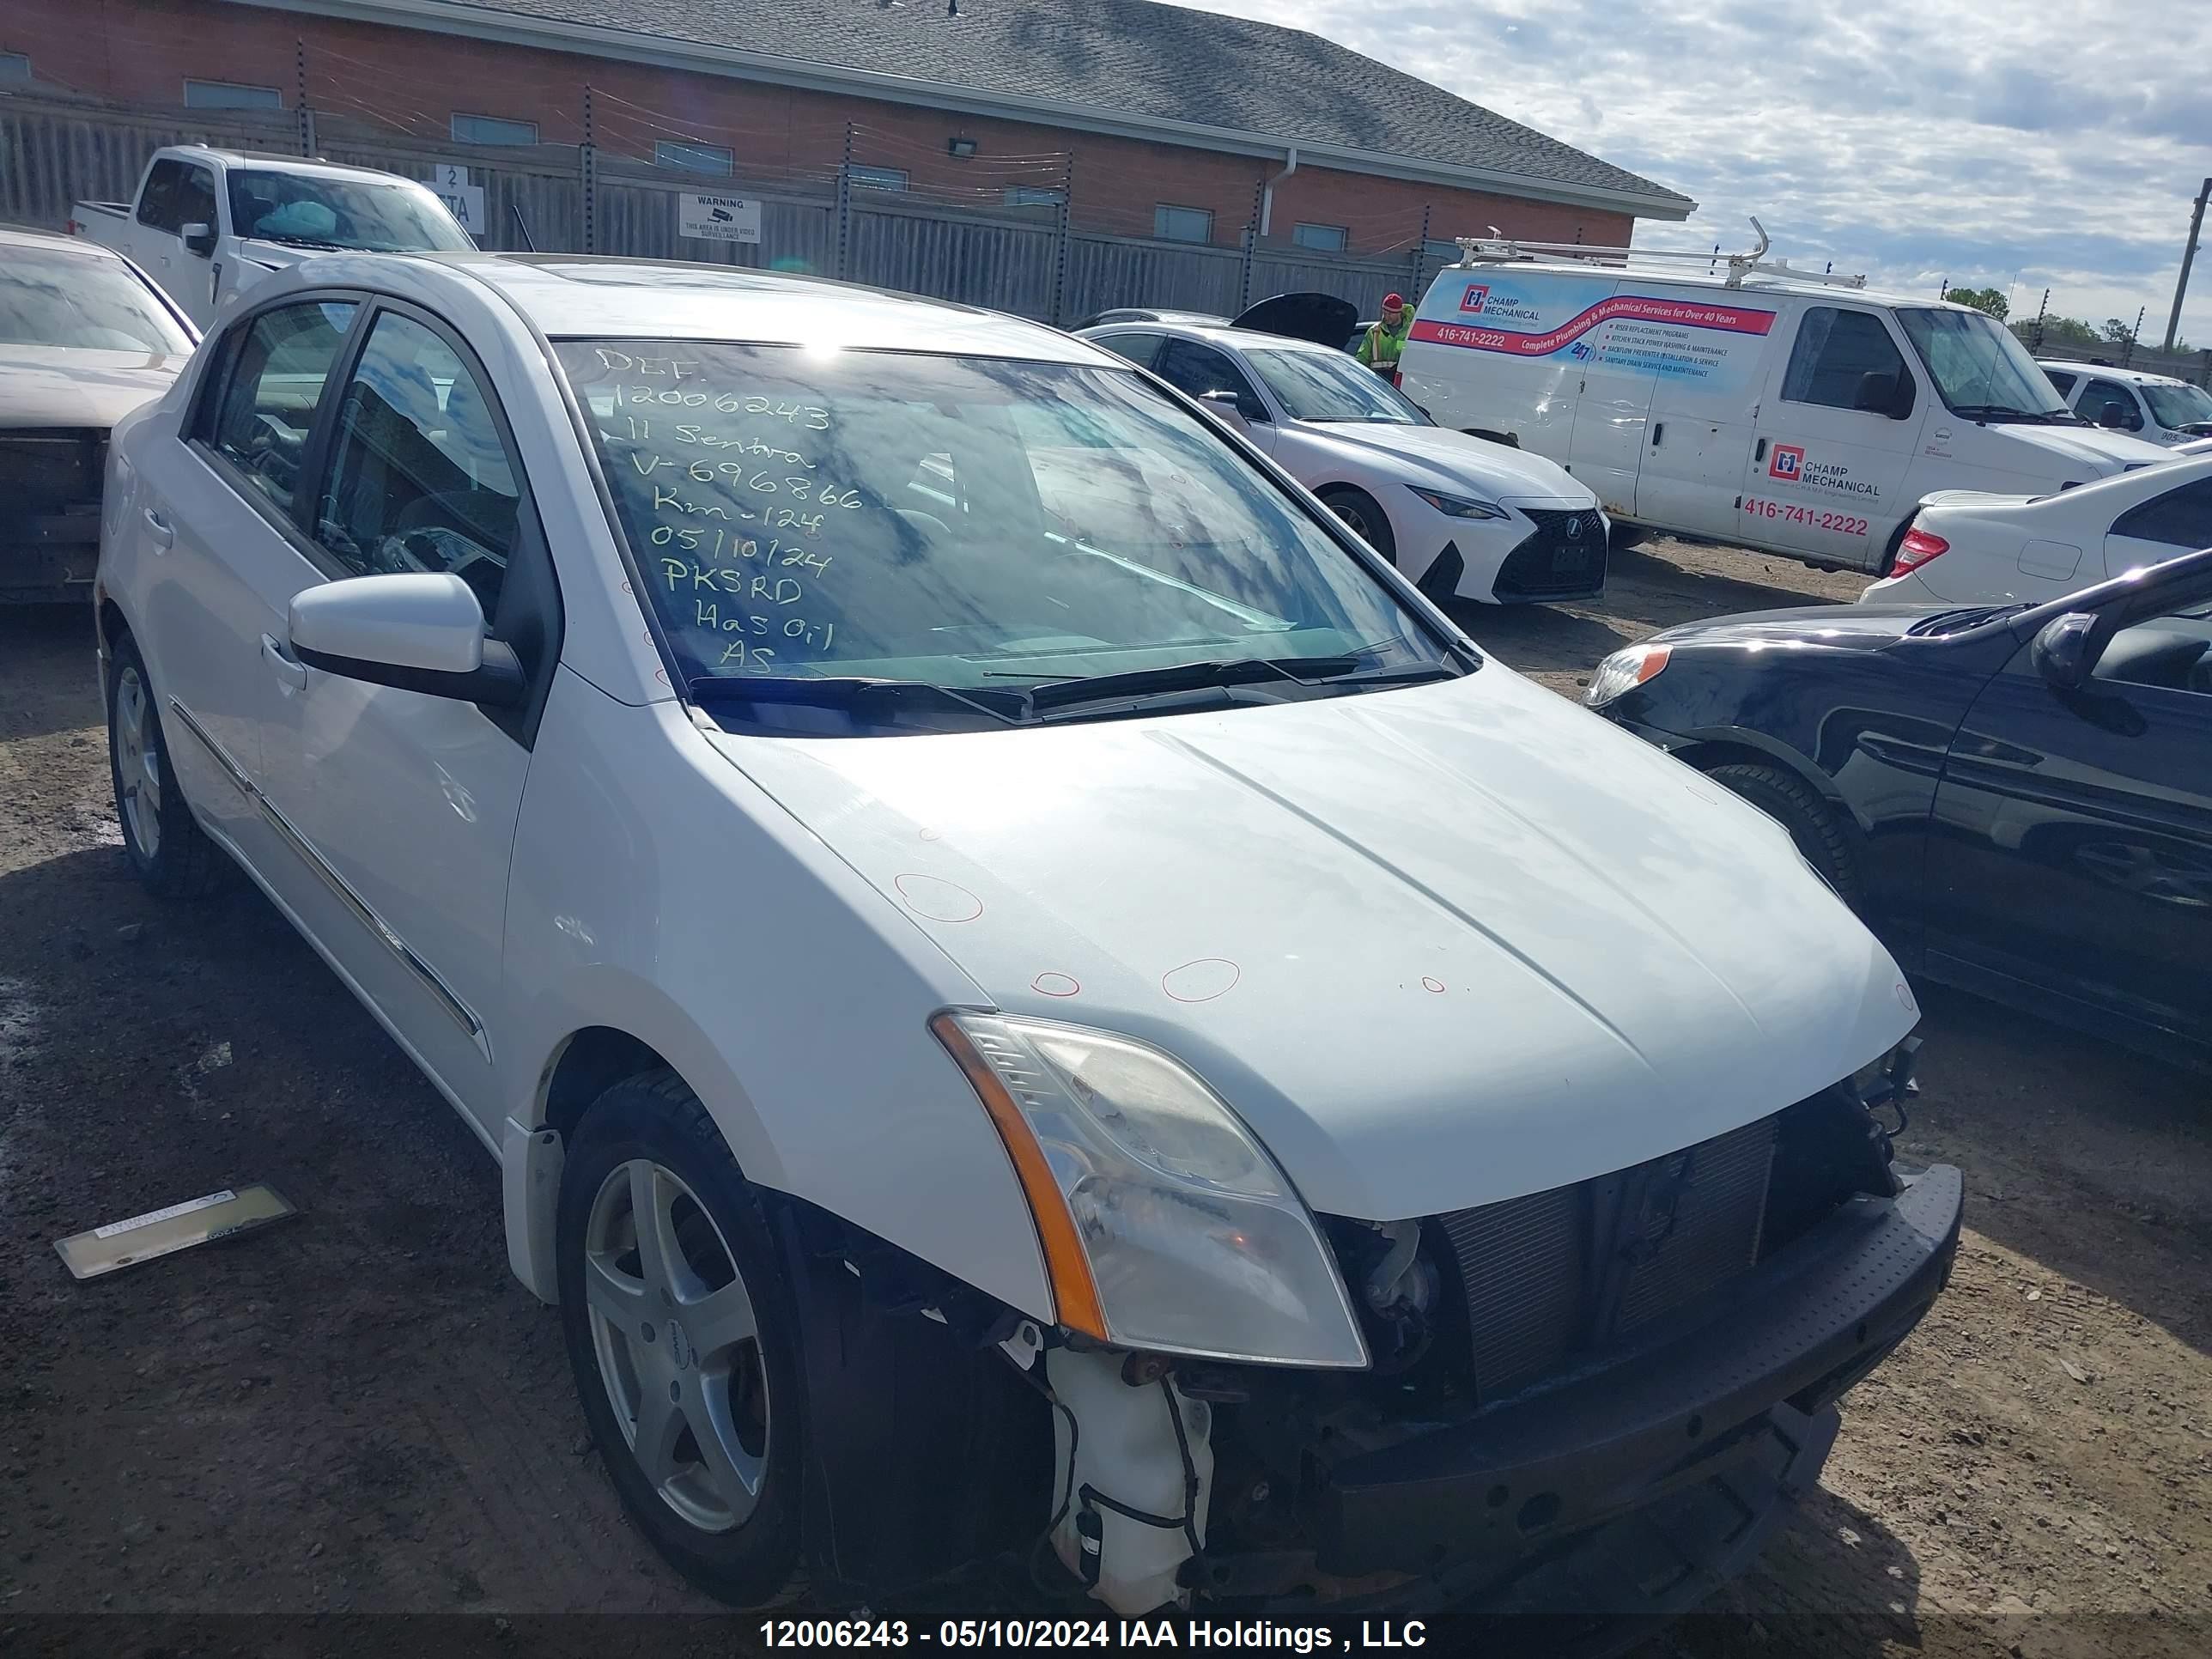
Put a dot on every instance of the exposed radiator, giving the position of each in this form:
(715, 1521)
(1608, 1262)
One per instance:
(1559, 1276)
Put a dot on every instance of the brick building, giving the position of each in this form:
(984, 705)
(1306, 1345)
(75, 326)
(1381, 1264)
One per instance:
(1152, 121)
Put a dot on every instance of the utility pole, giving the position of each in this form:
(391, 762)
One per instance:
(2188, 257)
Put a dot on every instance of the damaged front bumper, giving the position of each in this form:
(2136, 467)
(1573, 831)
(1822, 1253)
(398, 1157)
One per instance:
(1627, 1493)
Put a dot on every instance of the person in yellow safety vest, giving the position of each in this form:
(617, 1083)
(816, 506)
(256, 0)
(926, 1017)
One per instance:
(1385, 342)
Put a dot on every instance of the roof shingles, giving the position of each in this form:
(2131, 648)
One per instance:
(1128, 58)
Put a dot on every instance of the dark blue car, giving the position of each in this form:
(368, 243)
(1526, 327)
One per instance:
(2018, 798)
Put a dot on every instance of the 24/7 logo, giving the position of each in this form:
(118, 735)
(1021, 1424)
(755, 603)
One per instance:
(1472, 302)
(1788, 463)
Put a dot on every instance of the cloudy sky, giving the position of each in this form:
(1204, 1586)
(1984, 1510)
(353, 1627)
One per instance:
(2008, 143)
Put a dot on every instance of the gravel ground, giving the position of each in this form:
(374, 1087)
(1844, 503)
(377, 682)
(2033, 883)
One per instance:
(361, 1413)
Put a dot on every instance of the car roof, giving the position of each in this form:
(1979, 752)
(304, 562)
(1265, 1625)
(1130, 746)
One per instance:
(303, 164)
(32, 236)
(575, 295)
(2133, 376)
(1240, 340)
(1810, 285)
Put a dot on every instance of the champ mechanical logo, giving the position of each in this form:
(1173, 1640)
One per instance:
(1472, 302)
(1788, 465)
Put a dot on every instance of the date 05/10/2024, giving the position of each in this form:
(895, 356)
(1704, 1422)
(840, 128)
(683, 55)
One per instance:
(1119, 1635)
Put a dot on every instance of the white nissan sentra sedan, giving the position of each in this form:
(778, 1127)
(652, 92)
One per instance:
(1125, 1039)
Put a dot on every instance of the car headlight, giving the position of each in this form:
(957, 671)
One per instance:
(1461, 507)
(1164, 1224)
(1624, 671)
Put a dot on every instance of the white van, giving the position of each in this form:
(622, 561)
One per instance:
(1782, 409)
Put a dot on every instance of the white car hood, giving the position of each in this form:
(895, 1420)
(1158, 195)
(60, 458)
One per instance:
(1439, 946)
(63, 385)
(1440, 458)
(2110, 452)
(276, 256)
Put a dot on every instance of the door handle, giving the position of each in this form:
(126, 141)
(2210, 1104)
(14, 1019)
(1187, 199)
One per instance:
(1760, 454)
(291, 673)
(1657, 433)
(159, 529)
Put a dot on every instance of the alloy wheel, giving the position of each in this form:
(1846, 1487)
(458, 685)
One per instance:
(678, 1345)
(138, 761)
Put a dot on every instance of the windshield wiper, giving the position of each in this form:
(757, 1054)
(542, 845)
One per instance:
(852, 691)
(1959, 621)
(2005, 412)
(1144, 684)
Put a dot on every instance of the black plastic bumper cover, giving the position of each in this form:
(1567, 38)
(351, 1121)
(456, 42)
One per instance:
(1794, 1334)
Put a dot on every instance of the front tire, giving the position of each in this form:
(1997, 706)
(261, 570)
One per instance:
(1797, 807)
(683, 1337)
(171, 854)
(1363, 516)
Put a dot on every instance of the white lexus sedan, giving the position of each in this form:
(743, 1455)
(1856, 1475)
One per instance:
(1966, 547)
(1464, 517)
(1127, 1044)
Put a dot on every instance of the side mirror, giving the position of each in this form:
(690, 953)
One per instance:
(198, 238)
(1229, 406)
(417, 632)
(1892, 395)
(2062, 651)
(2114, 418)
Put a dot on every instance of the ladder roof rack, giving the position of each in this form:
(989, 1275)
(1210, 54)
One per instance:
(1498, 250)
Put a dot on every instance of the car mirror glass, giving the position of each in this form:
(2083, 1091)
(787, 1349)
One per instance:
(2063, 653)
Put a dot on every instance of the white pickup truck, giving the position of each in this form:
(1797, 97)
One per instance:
(206, 223)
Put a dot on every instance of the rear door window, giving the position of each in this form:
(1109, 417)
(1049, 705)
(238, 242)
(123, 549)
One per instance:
(2062, 381)
(2180, 518)
(1139, 349)
(277, 363)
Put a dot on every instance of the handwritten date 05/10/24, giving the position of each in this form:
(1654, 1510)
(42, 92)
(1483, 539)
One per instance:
(1841, 523)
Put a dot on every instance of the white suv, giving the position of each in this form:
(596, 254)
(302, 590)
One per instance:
(1028, 990)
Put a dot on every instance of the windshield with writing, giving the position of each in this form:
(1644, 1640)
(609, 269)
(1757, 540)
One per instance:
(2178, 405)
(961, 522)
(83, 301)
(311, 210)
(1977, 366)
(1327, 385)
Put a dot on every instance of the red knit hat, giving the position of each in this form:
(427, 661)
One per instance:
(1393, 302)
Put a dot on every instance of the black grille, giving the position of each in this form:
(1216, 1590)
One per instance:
(51, 468)
(1564, 554)
(1558, 1277)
